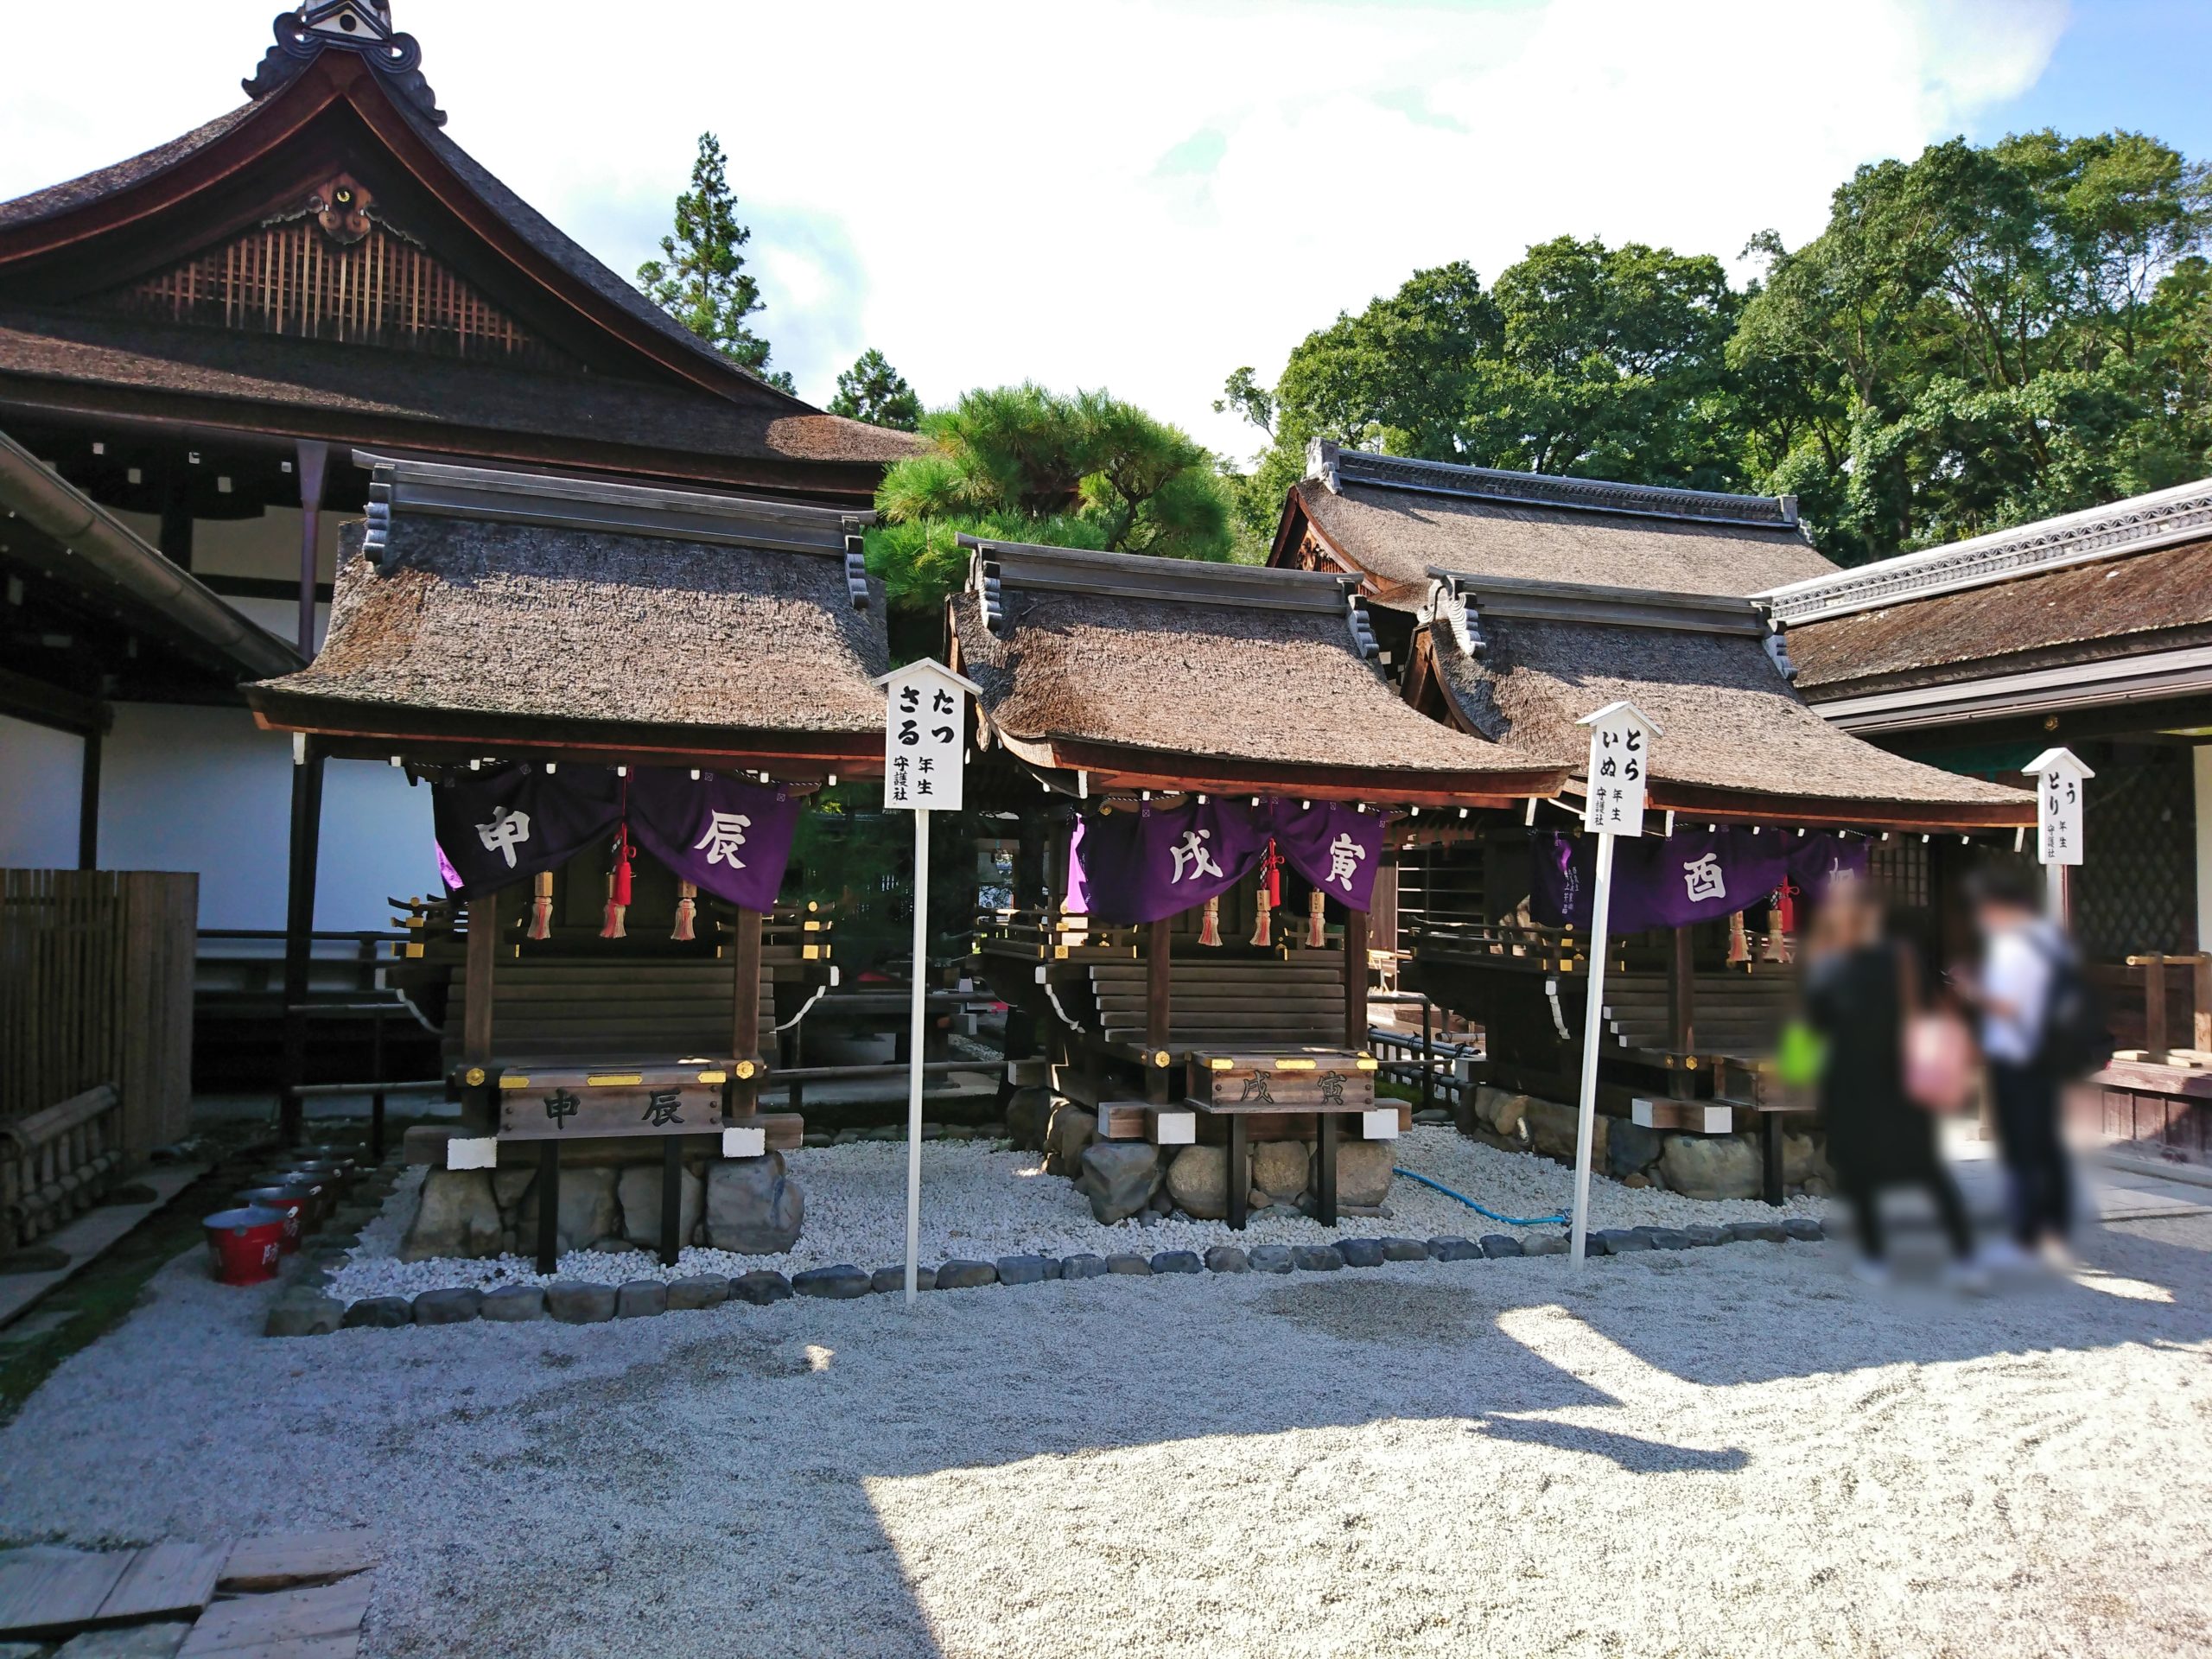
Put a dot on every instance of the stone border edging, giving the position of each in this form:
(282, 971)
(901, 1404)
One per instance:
(302, 1311)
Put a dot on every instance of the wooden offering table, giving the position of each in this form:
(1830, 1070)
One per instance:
(1288, 1084)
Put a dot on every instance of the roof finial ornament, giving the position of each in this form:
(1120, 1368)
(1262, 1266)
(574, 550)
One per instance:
(361, 26)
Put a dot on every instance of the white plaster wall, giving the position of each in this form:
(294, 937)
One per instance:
(206, 790)
(42, 773)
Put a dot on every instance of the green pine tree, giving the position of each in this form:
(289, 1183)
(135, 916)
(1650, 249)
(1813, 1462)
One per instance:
(700, 278)
(874, 392)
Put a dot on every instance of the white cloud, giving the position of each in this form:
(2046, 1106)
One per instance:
(1133, 193)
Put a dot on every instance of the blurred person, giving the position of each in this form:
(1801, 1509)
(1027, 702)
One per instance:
(2031, 997)
(1861, 986)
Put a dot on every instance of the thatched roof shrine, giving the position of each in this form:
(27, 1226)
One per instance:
(325, 262)
(1386, 520)
(480, 612)
(1521, 663)
(1138, 672)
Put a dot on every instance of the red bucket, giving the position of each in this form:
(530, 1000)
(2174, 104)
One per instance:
(244, 1244)
(322, 1197)
(290, 1202)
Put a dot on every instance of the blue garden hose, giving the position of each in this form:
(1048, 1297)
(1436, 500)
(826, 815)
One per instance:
(1511, 1221)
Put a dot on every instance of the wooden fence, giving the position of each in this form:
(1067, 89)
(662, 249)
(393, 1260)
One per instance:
(96, 988)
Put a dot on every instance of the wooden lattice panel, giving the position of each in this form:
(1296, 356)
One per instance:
(294, 278)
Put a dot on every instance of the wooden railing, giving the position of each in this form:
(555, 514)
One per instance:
(55, 1163)
(96, 988)
(1548, 950)
(1049, 935)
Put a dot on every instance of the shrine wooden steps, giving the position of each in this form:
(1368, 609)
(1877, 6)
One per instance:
(1264, 1001)
(1731, 1014)
(584, 1010)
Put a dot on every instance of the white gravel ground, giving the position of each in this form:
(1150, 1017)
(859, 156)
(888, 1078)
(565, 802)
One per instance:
(982, 1202)
(1719, 1453)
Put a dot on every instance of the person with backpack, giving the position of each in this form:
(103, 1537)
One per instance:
(2039, 1031)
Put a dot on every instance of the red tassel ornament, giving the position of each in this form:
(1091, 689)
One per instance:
(618, 887)
(1270, 894)
(1210, 924)
(687, 907)
(540, 906)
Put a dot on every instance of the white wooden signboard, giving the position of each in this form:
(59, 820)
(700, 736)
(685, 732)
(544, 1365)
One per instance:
(924, 757)
(925, 737)
(1620, 761)
(1620, 768)
(2059, 777)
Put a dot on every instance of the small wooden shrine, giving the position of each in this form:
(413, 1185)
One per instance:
(619, 695)
(1512, 632)
(1209, 743)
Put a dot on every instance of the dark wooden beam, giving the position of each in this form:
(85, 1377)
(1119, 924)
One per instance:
(1355, 980)
(745, 1006)
(40, 703)
(1682, 1009)
(315, 459)
(478, 978)
(1158, 992)
(299, 926)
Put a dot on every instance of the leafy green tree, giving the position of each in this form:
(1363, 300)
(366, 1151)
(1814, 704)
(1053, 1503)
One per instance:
(700, 278)
(1983, 336)
(874, 392)
(1023, 463)
(1608, 363)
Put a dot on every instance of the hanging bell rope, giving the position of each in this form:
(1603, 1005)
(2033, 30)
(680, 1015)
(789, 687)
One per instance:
(687, 908)
(1740, 944)
(1210, 924)
(540, 906)
(1315, 935)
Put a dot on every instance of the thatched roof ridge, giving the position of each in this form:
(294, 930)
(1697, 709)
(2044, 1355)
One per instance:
(1389, 519)
(1247, 667)
(525, 619)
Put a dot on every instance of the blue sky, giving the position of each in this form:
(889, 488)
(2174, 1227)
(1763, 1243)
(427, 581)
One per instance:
(1145, 195)
(2136, 64)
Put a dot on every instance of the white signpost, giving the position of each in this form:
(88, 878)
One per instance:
(2059, 777)
(925, 756)
(1620, 768)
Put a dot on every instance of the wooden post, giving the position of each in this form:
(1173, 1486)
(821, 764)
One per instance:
(314, 458)
(299, 928)
(549, 1205)
(2200, 979)
(745, 1007)
(1240, 1170)
(1324, 1172)
(1681, 1014)
(477, 979)
(1356, 978)
(672, 1199)
(376, 1098)
(1159, 978)
(2154, 1005)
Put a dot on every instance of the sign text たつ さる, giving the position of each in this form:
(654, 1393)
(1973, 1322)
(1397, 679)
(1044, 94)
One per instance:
(925, 738)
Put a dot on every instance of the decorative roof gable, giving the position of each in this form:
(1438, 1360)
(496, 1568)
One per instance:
(360, 26)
